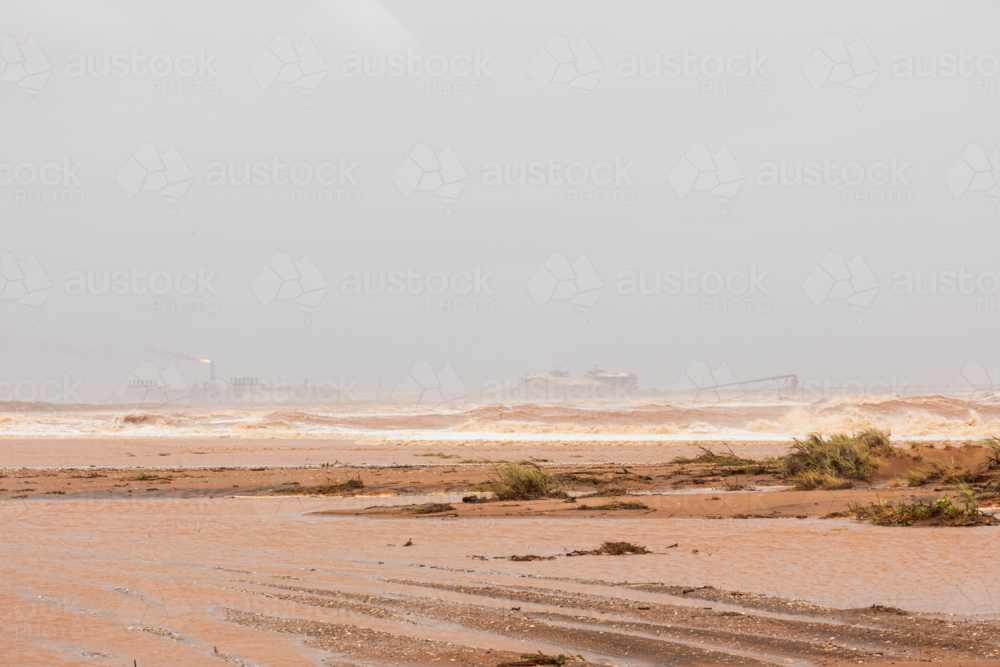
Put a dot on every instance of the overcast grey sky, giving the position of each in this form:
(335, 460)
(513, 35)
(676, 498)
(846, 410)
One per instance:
(655, 138)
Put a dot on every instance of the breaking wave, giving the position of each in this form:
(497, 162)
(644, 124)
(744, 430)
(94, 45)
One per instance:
(925, 416)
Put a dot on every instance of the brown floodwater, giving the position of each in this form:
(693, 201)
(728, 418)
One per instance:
(76, 575)
(214, 451)
(210, 581)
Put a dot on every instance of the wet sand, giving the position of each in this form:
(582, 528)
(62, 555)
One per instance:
(159, 470)
(252, 452)
(227, 562)
(221, 451)
(79, 574)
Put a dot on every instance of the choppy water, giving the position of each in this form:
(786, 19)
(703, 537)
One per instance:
(918, 417)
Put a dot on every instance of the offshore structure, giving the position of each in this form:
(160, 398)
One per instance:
(595, 385)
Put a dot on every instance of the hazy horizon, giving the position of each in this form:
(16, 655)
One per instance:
(709, 223)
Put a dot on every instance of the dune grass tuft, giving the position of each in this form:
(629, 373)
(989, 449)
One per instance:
(992, 444)
(532, 659)
(143, 476)
(622, 548)
(617, 505)
(331, 488)
(612, 549)
(947, 472)
(429, 508)
(521, 481)
(708, 457)
(942, 512)
(812, 479)
(352, 484)
(916, 478)
(830, 463)
(737, 464)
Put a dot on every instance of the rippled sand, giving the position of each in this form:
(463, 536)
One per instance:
(153, 579)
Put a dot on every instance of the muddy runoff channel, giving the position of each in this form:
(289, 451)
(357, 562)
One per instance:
(261, 567)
